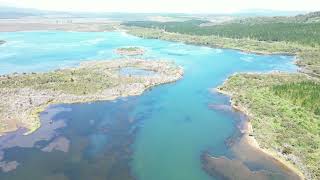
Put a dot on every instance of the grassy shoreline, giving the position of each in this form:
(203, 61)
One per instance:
(275, 124)
(24, 96)
(249, 139)
(308, 59)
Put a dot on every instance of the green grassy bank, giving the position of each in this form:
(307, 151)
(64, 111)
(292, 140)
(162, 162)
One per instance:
(284, 112)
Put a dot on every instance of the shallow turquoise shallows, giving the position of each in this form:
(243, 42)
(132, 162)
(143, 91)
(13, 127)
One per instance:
(159, 135)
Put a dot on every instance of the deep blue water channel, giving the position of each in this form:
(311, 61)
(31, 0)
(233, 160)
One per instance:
(159, 135)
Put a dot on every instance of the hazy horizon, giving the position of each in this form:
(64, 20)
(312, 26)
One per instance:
(166, 6)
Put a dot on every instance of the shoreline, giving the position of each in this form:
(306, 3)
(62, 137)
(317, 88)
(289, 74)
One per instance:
(23, 103)
(248, 137)
(295, 50)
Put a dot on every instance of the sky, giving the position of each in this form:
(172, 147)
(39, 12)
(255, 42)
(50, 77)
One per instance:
(177, 6)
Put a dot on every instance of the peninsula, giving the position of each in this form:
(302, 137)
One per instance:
(24, 96)
(283, 113)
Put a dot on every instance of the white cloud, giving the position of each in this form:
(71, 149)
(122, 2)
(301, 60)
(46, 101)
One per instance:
(191, 6)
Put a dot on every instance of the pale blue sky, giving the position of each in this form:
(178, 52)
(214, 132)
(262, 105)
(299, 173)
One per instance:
(190, 6)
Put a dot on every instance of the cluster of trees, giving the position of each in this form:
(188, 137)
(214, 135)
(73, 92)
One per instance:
(303, 33)
(305, 94)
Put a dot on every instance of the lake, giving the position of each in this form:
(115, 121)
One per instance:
(160, 135)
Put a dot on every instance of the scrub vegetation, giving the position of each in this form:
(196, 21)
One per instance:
(283, 110)
(306, 94)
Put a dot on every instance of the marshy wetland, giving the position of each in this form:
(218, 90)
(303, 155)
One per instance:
(165, 133)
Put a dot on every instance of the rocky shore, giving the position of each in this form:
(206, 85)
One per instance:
(24, 96)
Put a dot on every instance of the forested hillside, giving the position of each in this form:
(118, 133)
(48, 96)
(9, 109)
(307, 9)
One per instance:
(296, 29)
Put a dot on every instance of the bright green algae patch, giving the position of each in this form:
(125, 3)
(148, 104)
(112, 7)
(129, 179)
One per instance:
(282, 110)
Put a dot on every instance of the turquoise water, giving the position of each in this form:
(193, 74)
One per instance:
(159, 135)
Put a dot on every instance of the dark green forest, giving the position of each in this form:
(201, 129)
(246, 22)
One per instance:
(302, 33)
(305, 94)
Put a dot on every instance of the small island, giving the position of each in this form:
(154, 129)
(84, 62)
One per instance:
(130, 51)
(24, 96)
(2, 42)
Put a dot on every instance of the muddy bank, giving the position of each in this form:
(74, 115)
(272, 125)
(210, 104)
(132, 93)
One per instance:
(248, 160)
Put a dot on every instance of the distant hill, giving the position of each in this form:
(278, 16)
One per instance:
(266, 12)
(312, 17)
(302, 29)
(12, 12)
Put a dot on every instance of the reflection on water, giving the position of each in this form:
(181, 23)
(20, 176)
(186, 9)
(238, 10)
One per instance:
(159, 135)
